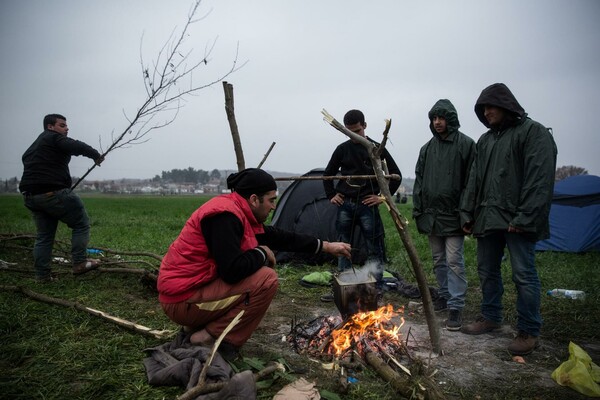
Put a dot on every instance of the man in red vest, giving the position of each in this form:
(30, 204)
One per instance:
(222, 262)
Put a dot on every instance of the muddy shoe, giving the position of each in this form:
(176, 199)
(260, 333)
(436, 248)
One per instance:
(481, 325)
(523, 344)
(454, 321)
(85, 266)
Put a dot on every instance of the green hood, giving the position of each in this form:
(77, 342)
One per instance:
(444, 108)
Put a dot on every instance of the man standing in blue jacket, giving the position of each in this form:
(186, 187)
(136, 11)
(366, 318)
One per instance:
(507, 203)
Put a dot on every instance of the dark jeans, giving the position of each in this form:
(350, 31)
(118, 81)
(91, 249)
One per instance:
(524, 275)
(48, 209)
(351, 215)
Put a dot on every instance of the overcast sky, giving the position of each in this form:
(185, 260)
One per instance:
(391, 59)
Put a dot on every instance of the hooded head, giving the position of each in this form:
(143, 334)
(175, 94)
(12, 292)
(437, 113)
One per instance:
(499, 95)
(445, 109)
(251, 181)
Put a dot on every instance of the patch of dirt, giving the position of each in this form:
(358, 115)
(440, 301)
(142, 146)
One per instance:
(469, 367)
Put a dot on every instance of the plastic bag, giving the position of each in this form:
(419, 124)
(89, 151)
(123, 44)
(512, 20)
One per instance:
(579, 372)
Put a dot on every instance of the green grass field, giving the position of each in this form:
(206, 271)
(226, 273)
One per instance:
(52, 352)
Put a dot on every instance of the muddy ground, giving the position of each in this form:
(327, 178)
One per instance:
(471, 367)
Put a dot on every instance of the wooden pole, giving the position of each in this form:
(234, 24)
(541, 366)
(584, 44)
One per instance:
(399, 221)
(266, 155)
(235, 134)
(334, 177)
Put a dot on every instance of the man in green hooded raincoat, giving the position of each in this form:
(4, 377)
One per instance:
(441, 176)
(507, 201)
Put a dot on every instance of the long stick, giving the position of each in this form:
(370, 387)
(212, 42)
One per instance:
(334, 177)
(266, 155)
(71, 304)
(399, 221)
(215, 387)
(229, 327)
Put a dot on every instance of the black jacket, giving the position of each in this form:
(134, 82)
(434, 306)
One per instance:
(46, 162)
(352, 158)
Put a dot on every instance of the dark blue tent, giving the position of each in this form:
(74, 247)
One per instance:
(574, 216)
(304, 207)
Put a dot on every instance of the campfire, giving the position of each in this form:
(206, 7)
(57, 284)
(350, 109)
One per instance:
(367, 338)
(372, 328)
(334, 338)
(362, 327)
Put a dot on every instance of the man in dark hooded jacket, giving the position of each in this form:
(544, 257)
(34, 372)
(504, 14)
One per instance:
(507, 202)
(441, 176)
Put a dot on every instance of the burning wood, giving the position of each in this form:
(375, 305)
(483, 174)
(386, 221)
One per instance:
(372, 327)
(332, 337)
(375, 339)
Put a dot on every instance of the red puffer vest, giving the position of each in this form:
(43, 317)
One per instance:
(188, 264)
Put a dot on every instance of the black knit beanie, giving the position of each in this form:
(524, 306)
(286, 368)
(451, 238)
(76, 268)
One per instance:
(251, 181)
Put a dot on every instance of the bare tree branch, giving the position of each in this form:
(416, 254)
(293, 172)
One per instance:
(165, 88)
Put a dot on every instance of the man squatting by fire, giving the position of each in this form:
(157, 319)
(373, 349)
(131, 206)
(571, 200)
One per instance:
(222, 262)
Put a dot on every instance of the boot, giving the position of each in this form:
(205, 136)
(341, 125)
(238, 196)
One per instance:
(523, 344)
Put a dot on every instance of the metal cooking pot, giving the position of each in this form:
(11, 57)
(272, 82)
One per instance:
(351, 297)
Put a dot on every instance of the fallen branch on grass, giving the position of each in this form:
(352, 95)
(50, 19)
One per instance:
(121, 262)
(215, 387)
(130, 253)
(162, 334)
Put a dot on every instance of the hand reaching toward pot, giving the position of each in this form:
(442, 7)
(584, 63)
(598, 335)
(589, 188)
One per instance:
(337, 249)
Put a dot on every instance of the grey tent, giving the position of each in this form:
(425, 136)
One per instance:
(303, 207)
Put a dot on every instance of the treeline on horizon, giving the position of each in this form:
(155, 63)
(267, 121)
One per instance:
(188, 175)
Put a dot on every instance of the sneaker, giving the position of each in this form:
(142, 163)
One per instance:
(327, 298)
(523, 344)
(85, 266)
(454, 321)
(440, 304)
(481, 325)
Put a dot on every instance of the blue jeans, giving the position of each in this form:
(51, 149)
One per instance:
(449, 268)
(524, 275)
(351, 215)
(48, 209)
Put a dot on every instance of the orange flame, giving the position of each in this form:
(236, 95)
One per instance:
(372, 325)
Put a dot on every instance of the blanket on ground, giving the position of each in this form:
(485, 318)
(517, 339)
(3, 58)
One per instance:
(178, 363)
